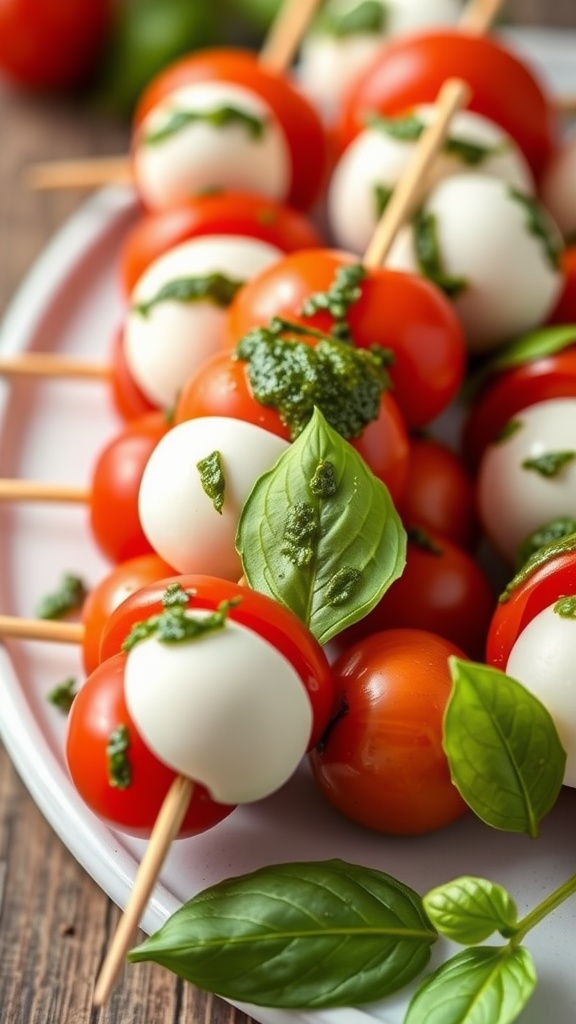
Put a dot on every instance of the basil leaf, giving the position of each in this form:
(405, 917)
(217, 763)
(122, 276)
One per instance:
(469, 910)
(367, 16)
(219, 117)
(318, 934)
(319, 532)
(477, 986)
(536, 345)
(504, 752)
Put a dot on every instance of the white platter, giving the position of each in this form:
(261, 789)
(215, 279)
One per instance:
(54, 430)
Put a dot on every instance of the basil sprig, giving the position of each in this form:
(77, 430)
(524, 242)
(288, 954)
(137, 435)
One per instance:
(505, 756)
(318, 934)
(319, 532)
(469, 910)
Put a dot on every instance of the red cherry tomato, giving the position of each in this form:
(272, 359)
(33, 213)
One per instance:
(115, 587)
(401, 312)
(381, 762)
(271, 620)
(128, 400)
(221, 388)
(52, 44)
(299, 121)
(439, 493)
(564, 311)
(442, 590)
(114, 517)
(97, 711)
(412, 68)
(511, 391)
(230, 213)
(551, 576)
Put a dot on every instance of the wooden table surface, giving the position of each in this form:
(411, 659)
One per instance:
(55, 923)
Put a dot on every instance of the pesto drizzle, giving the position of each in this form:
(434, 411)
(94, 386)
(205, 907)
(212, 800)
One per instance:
(428, 256)
(508, 430)
(344, 291)
(215, 288)
(67, 598)
(218, 117)
(565, 546)
(539, 225)
(175, 625)
(565, 607)
(550, 464)
(409, 128)
(62, 695)
(547, 534)
(119, 767)
(212, 478)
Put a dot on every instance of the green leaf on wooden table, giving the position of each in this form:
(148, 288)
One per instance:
(320, 534)
(483, 985)
(317, 934)
(469, 910)
(505, 755)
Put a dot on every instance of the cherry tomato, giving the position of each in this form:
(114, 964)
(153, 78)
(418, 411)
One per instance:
(412, 68)
(548, 577)
(514, 389)
(236, 213)
(439, 493)
(221, 388)
(128, 400)
(97, 711)
(381, 761)
(442, 590)
(271, 620)
(401, 312)
(114, 517)
(115, 587)
(564, 311)
(299, 121)
(52, 45)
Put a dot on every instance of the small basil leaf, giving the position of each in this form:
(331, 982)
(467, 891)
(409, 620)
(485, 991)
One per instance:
(318, 934)
(536, 345)
(503, 748)
(479, 985)
(469, 910)
(320, 534)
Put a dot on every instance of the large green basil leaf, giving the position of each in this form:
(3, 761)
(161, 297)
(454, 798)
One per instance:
(317, 934)
(469, 910)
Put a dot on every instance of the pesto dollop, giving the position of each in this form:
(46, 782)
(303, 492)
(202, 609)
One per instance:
(212, 478)
(69, 597)
(119, 767)
(344, 291)
(344, 382)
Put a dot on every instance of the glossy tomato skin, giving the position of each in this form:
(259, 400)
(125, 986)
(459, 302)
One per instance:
(221, 388)
(104, 598)
(411, 69)
(52, 44)
(97, 710)
(553, 578)
(277, 624)
(439, 494)
(299, 121)
(513, 390)
(114, 517)
(442, 590)
(401, 312)
(230, 213)
(564, 311)
(127, 398)
(381, 762)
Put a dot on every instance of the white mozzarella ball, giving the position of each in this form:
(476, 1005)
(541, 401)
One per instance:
(376, 159)
(330, 60)
(485, 239)
(202, 155)
(164, 345)
(543, 659)
(558, 187)
(227, 709)
(515, 496)
(177, 514)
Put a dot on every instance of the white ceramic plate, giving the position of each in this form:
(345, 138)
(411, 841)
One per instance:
(54, 431)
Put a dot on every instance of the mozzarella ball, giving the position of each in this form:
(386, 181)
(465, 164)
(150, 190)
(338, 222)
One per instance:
(179, 516)
(227, 709)
(528, 477)
(196, 154)
(558, 187)
(332, 55)
(165, 343)
(486, 240)
(376, 159)
(543, 659)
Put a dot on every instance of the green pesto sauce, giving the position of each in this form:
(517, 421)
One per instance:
(409, 128)
(547, 534)
(218, 117)
(62, 696)
(215, 288)
(67, 598)
(119, 767)
(565, 546)
(550, 464)
(343, 585)
(344, 291)
(292, 377)
(429, 257)
(539, 225)
(212, 479)
(565, 607)
(175, 625)
(323, 483)
(382, 196)
(300, 531)
(508, 430)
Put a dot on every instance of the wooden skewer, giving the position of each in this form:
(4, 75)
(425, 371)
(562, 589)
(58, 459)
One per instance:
(478, 15)
(48, 364)
(452, 97)
(39, 490)
(165, 830)
(41, 629)
(285, 35)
